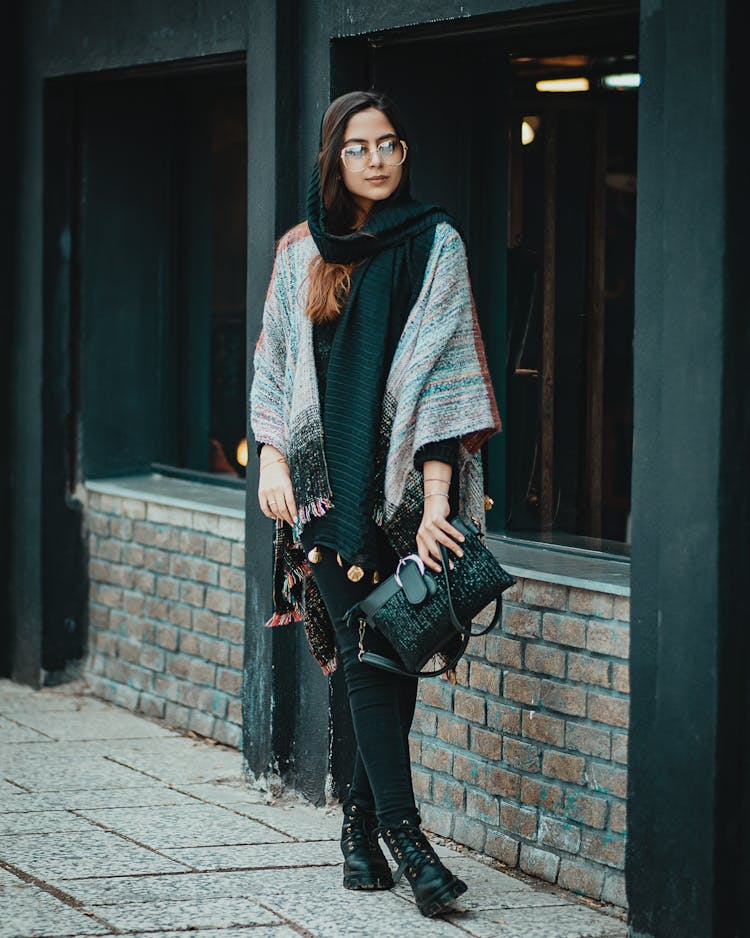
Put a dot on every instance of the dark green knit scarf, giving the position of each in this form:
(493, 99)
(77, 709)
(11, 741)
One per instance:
(392, 248)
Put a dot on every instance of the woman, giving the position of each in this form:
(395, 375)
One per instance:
(370, 402)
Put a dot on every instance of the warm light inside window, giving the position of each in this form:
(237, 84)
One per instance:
(241, 455)
(626, 80)
(563, 84)
(530, 124)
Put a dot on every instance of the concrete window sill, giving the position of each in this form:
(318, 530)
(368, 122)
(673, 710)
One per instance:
(176, 493)
(546, 563)
(600, 573)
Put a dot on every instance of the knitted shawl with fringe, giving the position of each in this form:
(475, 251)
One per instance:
(438, 387)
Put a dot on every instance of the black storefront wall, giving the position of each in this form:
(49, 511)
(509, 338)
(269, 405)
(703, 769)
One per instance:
(10, 114)
(688, 801)
(58, 49)
(733, 770)
(689, 786)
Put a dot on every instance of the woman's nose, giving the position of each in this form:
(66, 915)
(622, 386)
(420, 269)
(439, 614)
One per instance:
(375, 158)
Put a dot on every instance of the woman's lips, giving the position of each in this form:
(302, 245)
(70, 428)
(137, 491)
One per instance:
(377, 179)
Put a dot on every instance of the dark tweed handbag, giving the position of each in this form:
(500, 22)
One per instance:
(423, 614)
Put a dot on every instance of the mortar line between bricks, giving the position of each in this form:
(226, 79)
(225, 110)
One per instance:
(538, 885)
(131, 840)
(560, 679)
(58, 893)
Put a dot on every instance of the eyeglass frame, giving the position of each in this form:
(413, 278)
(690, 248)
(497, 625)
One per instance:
(369, 153)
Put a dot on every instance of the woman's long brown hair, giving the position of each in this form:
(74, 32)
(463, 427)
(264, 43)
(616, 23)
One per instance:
(329, 282)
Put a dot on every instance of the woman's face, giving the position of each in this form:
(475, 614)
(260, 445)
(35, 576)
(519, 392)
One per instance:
(377, 180)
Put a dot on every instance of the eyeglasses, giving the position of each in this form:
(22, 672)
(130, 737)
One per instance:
(357, 156)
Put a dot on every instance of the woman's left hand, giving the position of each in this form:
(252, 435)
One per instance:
(435, 528)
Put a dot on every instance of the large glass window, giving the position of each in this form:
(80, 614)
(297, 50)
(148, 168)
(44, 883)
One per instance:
(529, 139)
(209, 187)
(160, 257)
(569, 356)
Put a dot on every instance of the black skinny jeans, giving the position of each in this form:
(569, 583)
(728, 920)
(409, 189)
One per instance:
(382, 704)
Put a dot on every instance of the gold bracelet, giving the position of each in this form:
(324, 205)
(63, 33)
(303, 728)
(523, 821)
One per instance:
(428, 494)
(435, 479)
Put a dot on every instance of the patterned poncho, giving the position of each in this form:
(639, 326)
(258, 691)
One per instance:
(438, 387)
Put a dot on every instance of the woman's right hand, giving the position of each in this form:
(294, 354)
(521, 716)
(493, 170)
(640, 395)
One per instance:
(275, 493)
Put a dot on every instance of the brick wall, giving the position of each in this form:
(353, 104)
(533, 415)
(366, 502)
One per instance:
(525, 757)
(166, 612)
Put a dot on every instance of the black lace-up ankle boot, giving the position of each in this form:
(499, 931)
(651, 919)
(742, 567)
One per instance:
(365, 866)
(433, 885)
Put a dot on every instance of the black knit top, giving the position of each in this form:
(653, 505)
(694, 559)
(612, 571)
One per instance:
(331, 529)
(322, 530)
(323, 333)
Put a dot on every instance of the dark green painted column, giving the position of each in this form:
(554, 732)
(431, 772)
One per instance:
(25, 529)
(261, 232)
(64, 556)
(688, 688)
(731, 857)
(285, 694)
(10, 112)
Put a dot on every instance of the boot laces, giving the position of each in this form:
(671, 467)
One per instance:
(357, 830)
(410, 848)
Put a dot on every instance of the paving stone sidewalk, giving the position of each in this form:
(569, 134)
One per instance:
(115, 824)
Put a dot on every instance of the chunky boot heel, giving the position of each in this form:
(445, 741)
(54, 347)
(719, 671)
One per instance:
(365, 866)
(433, 885)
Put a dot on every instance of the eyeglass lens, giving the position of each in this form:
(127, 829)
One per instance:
(390, 152)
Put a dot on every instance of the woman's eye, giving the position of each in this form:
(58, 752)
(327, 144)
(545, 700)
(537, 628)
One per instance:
(355, 153)
(387, 148)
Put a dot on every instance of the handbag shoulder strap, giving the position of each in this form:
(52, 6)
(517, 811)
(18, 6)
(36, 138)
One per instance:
(380, 661)
(387, 664)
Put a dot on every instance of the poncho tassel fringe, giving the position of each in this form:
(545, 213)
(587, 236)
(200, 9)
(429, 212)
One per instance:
(284, 618)
(315, 509)
(442, 335)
